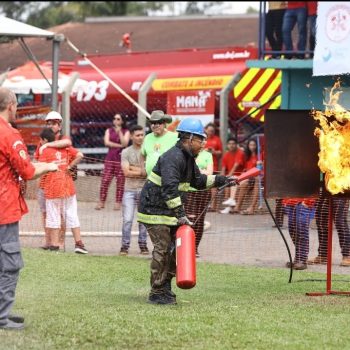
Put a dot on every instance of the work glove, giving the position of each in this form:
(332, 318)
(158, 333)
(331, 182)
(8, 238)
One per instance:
(181, 216)
(184, 220)
(179, 212)
(223, 181)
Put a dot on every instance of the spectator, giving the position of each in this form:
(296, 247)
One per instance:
(312, 16)
(116, 138)
(251, 161)
(214, 146)
(14, 163)
(300, 213)
(296, 12)
(197, 201)
(340, 207)
(274, 22)
(60, 192)
(158, 141)
(54, 121)
(232, 164)
(161, 204)
(134, 180)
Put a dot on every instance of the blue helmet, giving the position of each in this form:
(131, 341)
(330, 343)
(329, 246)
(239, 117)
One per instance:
(191, 126)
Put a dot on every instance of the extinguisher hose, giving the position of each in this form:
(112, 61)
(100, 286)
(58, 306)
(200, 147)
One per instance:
(220, 189)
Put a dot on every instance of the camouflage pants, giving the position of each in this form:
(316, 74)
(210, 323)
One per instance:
(163, 264)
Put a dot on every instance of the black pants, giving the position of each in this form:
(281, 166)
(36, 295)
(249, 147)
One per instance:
(273, 29)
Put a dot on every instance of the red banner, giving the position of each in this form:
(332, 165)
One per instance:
(186, 103)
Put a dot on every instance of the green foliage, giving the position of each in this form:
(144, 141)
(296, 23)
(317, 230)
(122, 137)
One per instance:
(197, 8)
(99, 302)
(14, 9)
(54, 14)
(48, 14)
(251, 10)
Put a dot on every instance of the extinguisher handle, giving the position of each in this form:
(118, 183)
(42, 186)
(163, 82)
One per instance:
(184, 220)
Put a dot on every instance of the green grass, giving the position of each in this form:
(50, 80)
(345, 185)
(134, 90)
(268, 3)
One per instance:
(89, 302)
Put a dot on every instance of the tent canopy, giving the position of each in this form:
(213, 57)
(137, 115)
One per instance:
(27, 78)
(18, 30)
(10, 27)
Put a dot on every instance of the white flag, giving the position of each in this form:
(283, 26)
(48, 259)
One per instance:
(332, 52)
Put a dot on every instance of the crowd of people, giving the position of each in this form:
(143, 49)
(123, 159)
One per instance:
(281, 18)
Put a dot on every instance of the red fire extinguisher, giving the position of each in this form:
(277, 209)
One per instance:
(185, 257)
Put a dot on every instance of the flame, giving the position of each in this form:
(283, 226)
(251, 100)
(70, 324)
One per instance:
(334, 140)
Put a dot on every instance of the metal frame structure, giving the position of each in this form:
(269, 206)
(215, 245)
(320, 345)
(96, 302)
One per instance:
(18, 30)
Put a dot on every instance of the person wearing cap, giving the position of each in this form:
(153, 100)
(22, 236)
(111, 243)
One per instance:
(158, 141)
(161, 206)
(53, 120)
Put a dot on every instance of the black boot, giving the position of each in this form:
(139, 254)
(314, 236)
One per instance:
(16, 318)
(161, 299)
(168, 291)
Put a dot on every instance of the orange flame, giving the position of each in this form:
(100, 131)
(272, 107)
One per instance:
(334, 139)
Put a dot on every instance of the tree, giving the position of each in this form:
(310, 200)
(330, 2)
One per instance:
(46, 14)
(251, 10)
(14, 9)
(200, 7)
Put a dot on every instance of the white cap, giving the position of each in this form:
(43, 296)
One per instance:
(53, 116)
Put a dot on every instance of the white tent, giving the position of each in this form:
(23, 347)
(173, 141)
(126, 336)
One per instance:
(19, 30)
(10, 27)
(28, 78)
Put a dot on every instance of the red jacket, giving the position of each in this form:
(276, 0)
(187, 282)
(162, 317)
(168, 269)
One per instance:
(14, 163)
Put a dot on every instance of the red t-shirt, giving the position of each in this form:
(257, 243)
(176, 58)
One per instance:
(251, 162)
(214, 143)
(311, 8)
(58, 184)
(37, 156)
(295, 4)
(14, 163)
(230, 159)
(309, 202)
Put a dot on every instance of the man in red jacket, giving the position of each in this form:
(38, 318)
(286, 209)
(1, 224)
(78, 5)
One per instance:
(15, 165)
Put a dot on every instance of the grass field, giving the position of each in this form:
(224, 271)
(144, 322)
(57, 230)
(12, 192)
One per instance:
(90, 302)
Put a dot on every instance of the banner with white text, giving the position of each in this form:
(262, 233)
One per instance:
(332, 50)
(195, 103)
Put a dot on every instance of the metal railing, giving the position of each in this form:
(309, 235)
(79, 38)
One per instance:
(240, 121)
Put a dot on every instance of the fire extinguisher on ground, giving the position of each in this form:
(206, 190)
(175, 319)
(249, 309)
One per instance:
(185, 257)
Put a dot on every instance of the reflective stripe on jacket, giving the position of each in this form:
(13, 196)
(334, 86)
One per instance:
(165, 189)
